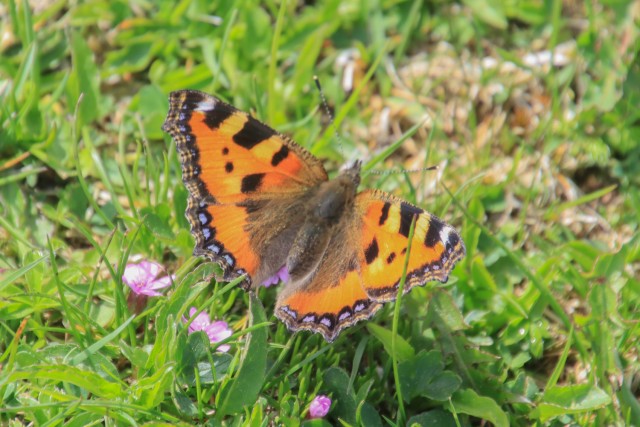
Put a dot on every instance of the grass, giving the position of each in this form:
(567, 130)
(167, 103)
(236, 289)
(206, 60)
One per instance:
(538, 169)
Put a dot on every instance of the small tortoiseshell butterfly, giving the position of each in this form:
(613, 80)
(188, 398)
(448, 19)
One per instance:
(263, 206)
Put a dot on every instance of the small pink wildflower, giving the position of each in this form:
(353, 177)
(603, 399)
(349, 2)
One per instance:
(142, 278)
(216, 331)
(320, 406)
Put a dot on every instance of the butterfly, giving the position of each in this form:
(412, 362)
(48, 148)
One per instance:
(262, 206)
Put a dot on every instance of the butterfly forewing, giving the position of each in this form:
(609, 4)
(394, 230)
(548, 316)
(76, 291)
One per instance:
(435, 249)
(232, 164)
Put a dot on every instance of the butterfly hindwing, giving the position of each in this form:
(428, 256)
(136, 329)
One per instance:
(386, 224)
(232, 164)
(364, 262)
(327, 310)
(334, 297)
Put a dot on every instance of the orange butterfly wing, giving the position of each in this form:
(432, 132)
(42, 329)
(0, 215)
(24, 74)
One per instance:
(335, 297)
(326, 310)
(354, 279)
(231, 163)
(435, 248)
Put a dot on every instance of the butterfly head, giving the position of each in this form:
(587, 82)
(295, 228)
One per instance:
(351, 171)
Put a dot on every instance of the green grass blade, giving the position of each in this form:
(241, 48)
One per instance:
(401, 416)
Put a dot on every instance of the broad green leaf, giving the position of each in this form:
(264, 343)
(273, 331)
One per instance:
(609, 265)
(404, 349)
(136, 355)
(424, 375)
(132, 57)
(196, 357)
(434, 418)
(572, 399)
(87, 380)
(84, 79)
(344, 404)
(443, 309)
(152, 105)
(158, 226)
(471, 235)
(318, 422)
(153, 389)
(369, 416)
(243, 389)
(184, 404)
(489, 11)
(582, 252)
(469, 402)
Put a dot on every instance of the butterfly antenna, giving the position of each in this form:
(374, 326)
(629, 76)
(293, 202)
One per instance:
(328, 111)
(392, 171)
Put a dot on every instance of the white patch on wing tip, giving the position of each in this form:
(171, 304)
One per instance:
(205, 106)
(444, 234)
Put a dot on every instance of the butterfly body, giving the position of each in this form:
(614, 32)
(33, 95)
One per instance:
(327, 214)
(262, 206)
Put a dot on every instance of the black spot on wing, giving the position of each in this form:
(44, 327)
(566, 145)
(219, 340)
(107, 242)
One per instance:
(225, 151)
(391, 257)
(252, 133)
(228, 167)
(371, 253)
(433, 233)
(407, 213)
(385, 213)
(214, 118)
(279, 156)
(452, 241)
(251, 182)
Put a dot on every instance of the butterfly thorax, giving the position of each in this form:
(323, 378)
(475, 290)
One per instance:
(329, 205)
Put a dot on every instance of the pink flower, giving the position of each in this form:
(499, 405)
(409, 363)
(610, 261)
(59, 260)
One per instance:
(320, 406)
(281, 275)
(142, 278)
(216, 331)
